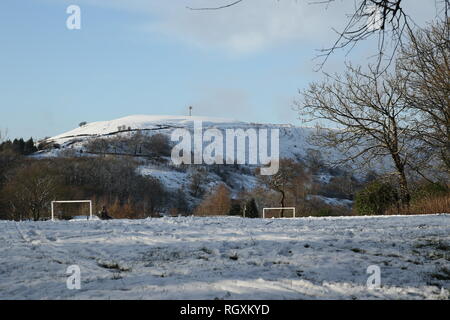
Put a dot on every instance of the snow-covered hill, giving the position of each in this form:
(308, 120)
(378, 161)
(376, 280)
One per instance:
(294, 143)
(228, 258)
(141, 122)
(293, 139)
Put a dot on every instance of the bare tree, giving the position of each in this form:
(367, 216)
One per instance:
(425, 67)
(384, 19)
(157, 144)
(97, 145)
(289, 182)
(30, 190)
(372, 119)
(198, 181)
(216, 203)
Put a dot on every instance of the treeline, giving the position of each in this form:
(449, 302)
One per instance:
(19, 146)
(27, 186)
(297, 184)
(133, 144)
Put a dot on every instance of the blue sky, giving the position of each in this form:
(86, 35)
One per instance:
(157, 57)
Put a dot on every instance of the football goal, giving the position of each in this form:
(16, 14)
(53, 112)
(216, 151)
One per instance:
(79, 212)
(278, 212)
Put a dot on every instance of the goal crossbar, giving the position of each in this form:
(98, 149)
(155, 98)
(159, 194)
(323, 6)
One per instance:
(71, 201)
(281, 208)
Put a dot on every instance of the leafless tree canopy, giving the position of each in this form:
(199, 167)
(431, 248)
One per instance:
(370, 112)
(425, 67)
(383, 18)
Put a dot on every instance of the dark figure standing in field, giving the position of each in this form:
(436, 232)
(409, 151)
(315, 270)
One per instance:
(104, 214)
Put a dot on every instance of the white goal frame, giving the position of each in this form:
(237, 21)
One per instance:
(72, 201)
(281, 208)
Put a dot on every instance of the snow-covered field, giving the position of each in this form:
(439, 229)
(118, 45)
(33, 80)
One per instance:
(228, 258)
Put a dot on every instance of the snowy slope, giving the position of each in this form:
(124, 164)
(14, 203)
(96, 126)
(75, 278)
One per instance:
(140, 122)
(293, 140)
(227, 258)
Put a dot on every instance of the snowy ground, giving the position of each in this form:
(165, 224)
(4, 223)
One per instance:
(227, 258)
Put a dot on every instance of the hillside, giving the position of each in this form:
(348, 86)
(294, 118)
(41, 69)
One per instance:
(293, 139)
(293, 144)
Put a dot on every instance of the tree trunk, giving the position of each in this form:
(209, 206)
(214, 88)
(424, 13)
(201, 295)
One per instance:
(283, 196)
(405, 196)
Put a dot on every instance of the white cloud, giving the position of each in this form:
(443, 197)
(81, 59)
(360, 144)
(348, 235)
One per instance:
(251, 25)
(248, 27)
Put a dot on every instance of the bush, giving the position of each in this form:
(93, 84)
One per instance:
(97, 146)
(198, 180)
(317, 207)
(179, 204)
(427, 198)
(158, 144)
(376, 198)
(251, 210)
(235, 210)
(429, 190)
(428, 205)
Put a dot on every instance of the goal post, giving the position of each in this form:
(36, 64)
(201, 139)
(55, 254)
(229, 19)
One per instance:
(281, 208)
(71, 201)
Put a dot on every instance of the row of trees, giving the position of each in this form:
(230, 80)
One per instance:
(293, 186)
(18, 146)
(133, 144)
(299, 184)
(27, 186)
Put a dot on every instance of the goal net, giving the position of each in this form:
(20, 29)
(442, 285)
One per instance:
(282, 212)
(71, 209)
